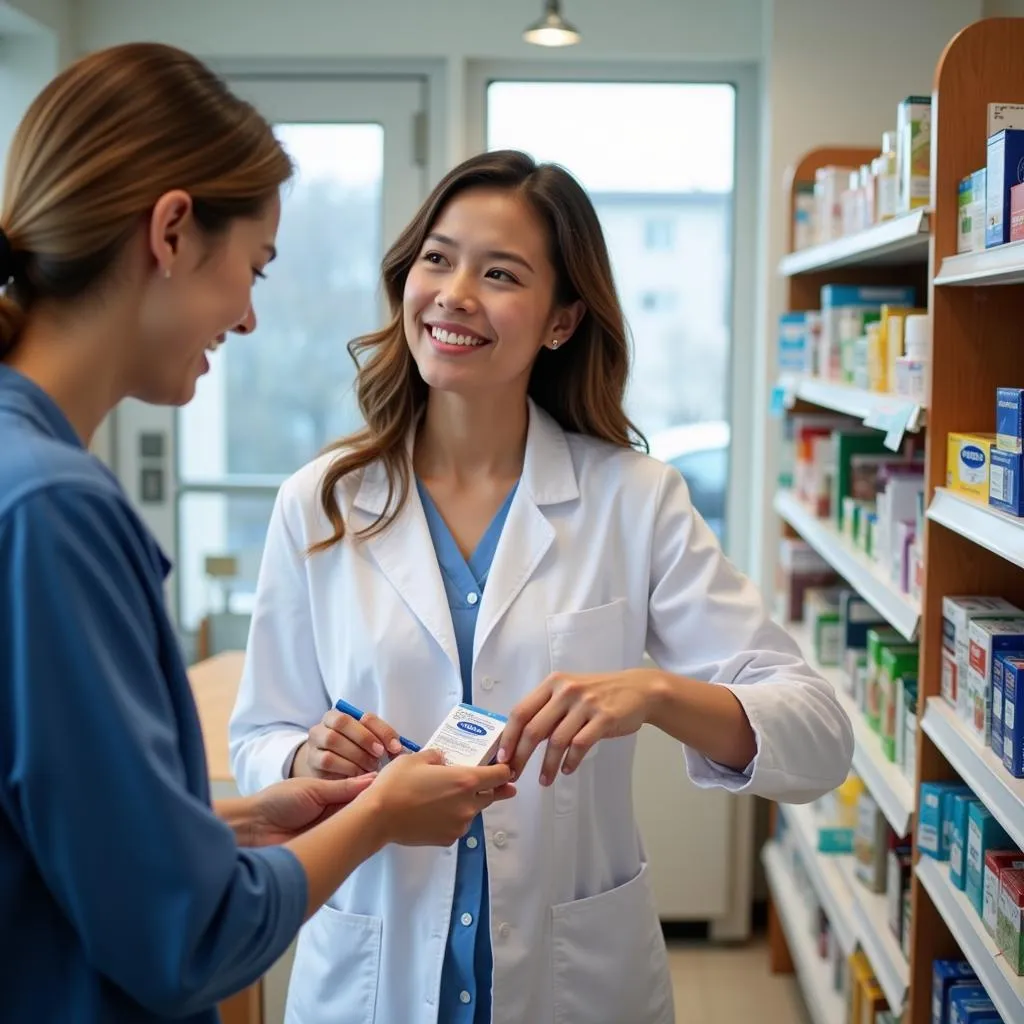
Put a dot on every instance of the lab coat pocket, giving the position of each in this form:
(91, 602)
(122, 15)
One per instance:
(609, 959)
(336, 972)
(587, 641)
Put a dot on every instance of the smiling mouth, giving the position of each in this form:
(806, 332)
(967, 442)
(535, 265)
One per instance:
(456, 340)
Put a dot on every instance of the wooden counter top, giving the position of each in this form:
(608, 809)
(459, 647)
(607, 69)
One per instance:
(215, 686)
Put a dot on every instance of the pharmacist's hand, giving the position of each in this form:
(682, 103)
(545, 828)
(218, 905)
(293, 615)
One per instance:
(573, 712)
(426, 803)
(281, 812)
(340, 746)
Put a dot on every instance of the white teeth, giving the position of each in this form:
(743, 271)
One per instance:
(449, 338)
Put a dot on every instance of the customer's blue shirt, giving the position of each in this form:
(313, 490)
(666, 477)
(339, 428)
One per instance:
(122, 897)
(466, 974)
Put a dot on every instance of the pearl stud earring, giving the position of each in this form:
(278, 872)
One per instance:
(554, 343)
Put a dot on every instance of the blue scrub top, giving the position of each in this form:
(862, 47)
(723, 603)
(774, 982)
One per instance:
(467, 970)
(122, 896)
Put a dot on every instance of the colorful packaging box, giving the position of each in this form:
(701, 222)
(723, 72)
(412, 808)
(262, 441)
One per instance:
(996, 862)
(1005, 491)
(984, 833)
(1010, 419)
(968, 458)
(913, 153)
(957, 615)
(987, 639)
(1004, 164)
(932, 834)
(1017, 213)
(971, 213)
(945, 974)
(1010, 922)
(896, 663)
(1013, 716)
(959, 804)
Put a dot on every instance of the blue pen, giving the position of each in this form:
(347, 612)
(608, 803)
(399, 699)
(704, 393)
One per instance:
(353, 712)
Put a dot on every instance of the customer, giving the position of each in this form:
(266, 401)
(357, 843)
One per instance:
(141, 200)
(492, 535)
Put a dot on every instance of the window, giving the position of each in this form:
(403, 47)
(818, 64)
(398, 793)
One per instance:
(657, 160)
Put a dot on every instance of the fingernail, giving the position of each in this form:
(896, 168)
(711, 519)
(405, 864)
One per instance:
(395, 747)
(545, 780)
(378, 749)
(513, 776)
(566, 770)
(502, 756)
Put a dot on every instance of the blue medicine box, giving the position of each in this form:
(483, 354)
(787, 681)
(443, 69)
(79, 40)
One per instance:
(996, 734)
(984, 833)
(1010, 419)
(1005, 169)
(1013, 714)
(1004, 481)
(946, 973)
(968, 988)
(959, 804)
(933, 825)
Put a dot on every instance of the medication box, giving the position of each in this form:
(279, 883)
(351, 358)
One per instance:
(987, 639)
(996, 717)
(965, 1008)
(1017, 213)
(957, 615)
(795, 354)
(971, 221)
(1004, 487)
(468, 736)
(1010, 921)
(996, 862)
(1013, 716)
(959, 804)
(984, 833)
(1005, 155)
(1010, 419)
(913, 153)
(945, 974)
(968, 457)
(932, 833)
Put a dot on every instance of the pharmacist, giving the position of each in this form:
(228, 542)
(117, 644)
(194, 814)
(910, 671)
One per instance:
(526, 568)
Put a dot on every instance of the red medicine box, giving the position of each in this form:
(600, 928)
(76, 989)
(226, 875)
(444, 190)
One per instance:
(1017, 213)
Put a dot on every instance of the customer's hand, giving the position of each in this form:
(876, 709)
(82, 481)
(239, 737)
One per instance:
(340, 746)
(423, 802)
(287, 809)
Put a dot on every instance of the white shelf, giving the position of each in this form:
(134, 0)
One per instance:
(1003, 264)
(896, 242)
(857, 569)
(882, 411)
(1004, 988)
(979, 767)
(870, 922)
(987, 527)
(891, 789)
(824, 1004)
(826, 875)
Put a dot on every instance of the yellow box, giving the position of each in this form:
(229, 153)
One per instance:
(861, 975)
(890, 346)
(968, 460)
(872, 1002)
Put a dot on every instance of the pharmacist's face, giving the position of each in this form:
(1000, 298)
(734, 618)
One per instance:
(479, 299)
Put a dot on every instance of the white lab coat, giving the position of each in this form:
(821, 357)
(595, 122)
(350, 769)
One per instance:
(602, 558)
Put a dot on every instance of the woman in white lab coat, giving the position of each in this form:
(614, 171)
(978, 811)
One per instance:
(493, 535)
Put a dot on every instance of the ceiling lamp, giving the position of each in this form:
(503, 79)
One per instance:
(552, 29)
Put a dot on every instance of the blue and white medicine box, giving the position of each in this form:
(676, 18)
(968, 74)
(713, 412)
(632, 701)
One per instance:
(1010, 419)
(795, 355)
(933, 828)
(1004, 481)
(959, 804)
(1013, 714)
(984, 833)
(946, 973)
(1005, 169)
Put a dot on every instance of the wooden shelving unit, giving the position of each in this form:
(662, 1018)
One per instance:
(977, 304)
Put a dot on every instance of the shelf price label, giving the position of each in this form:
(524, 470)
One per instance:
(894, 418)
(783, 397)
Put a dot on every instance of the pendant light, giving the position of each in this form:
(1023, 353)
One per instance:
(552, 29)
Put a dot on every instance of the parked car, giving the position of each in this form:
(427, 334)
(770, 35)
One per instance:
(700, 451)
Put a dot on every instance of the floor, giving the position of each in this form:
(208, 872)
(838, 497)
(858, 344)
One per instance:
(731, 984)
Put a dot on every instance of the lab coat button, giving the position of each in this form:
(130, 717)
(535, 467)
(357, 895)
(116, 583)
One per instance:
(467, 920)
(500, 839)
(465, 997)
(504, 930)
(472, 597)
(472, 843)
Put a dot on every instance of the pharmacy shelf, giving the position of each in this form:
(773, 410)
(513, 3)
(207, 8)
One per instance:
(1003, 264)
(827, 877)
(871, 925)
(875, 409)
(892, 243)
(900, 610)
(891, 789)
(1004, 988)
(989, 528)
(979, 767)
(824, 1004)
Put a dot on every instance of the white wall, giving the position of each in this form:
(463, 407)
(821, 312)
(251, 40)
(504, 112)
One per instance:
(834, 73)
(54, 17)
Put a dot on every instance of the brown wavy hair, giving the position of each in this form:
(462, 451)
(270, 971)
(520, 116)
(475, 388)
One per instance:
(582, 385)
(98, 147)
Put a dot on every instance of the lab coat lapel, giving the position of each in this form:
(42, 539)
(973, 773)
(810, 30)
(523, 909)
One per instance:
(549, 478)
(405, 554)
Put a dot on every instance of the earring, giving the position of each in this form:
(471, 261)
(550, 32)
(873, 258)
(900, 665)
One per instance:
(554, 343)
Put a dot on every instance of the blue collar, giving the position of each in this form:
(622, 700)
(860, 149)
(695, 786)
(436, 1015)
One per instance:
(25, 398)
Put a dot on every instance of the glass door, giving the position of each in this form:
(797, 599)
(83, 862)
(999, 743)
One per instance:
(205, 477)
